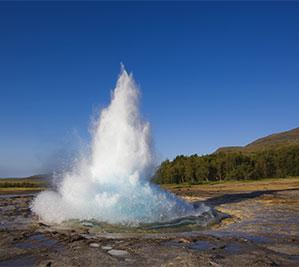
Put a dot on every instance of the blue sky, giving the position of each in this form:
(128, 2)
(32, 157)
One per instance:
(211, 73)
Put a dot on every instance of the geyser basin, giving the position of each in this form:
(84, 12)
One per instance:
(112, 183)
(184, 226)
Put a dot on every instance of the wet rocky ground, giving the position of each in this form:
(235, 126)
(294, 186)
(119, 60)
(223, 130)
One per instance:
(262, 229)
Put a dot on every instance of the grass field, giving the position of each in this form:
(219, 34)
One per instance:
(17, 185)
(239, 186)
(20, 190)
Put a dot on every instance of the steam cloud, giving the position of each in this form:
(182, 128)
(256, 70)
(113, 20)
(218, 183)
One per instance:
(112, 184)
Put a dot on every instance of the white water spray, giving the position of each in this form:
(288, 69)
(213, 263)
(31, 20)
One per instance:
(112, 184)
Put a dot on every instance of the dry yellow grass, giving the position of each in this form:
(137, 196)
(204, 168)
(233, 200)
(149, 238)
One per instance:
(238, 186)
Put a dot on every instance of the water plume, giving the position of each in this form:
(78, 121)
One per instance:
(112, 184)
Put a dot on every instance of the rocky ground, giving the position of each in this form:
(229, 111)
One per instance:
(262, 230)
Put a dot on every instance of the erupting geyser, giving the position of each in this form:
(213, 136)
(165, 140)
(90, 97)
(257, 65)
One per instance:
(112, 184)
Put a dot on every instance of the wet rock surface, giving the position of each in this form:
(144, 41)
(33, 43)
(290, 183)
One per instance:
(262, 230)
(118, 252)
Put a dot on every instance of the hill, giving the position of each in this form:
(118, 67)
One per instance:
(273, 142)
(273, 156)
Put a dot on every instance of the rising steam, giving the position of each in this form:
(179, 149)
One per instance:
(112, 183)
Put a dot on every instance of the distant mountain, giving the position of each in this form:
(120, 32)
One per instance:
(273, 141)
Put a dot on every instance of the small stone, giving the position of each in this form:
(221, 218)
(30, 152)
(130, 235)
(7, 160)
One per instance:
(184, 240)
(118, 252)
(87, 236)
(106, 247)
(94, 245)
(87, 224)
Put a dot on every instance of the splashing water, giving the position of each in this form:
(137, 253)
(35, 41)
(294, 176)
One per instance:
(112, 184)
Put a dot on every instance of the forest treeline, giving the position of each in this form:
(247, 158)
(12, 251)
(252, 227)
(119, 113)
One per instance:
(281, 162)
(21, 184)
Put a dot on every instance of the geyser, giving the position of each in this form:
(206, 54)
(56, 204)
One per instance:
(112, 183)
